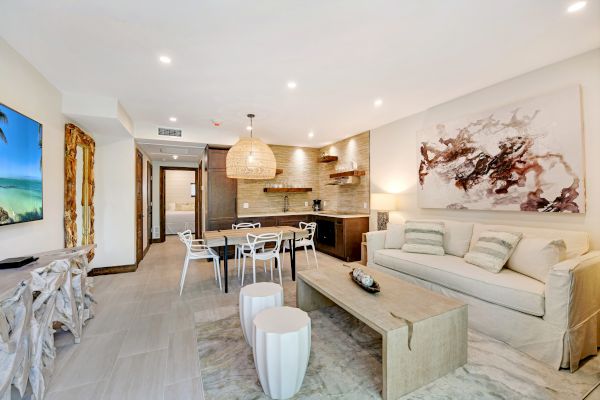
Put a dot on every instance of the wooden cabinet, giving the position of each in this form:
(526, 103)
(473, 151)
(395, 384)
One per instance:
(341, 237)
(221, 192)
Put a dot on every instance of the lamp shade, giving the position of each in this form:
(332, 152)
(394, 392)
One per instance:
(384, 201)
(250, 158)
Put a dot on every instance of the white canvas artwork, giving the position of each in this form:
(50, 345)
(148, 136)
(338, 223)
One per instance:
(526, 156)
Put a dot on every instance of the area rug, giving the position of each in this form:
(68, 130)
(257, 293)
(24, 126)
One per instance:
(345, 363)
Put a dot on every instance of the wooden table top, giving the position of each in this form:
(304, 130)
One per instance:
(398, 304)
(238, 236)
(10, 278)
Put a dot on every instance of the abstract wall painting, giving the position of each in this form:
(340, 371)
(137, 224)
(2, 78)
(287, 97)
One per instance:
(527, 156)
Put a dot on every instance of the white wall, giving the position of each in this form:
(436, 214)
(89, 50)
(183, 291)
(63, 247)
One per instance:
(156, 190)
(177, 186)
(24, 89)
(114, 201)
(394, 146)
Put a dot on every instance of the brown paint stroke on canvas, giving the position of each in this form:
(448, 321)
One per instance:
(462, 161)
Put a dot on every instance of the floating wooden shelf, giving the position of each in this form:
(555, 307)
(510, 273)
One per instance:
(328, 158)
(347, 173)
(279, 171)
(287, 190)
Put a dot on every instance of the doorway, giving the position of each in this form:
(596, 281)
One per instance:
(139, 206)
(180, 201)
(149, 201)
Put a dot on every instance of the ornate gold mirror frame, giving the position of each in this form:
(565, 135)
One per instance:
(74, 138)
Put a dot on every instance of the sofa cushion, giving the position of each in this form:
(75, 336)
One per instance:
(493, 249)
(457, 236)
(506, 288)
(535, 257)
(578, 242)
(394, 237)
(426, 237)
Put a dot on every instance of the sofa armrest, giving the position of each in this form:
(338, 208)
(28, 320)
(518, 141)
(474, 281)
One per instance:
(573, 291)
(375, 241)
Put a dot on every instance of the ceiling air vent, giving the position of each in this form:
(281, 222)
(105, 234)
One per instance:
(169, 132)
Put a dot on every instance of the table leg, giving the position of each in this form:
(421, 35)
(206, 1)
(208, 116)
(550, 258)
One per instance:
(225, 265)
(293, 256)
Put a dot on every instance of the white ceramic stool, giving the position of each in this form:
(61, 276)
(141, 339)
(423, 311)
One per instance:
(255, 298)
(281, 350)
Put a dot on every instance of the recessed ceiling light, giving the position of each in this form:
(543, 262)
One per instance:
(248, 128)
(175, 156)
(311, 134)
(578, 5)
(292, 85)
(378, 102)
(165, 59)
(173, 119)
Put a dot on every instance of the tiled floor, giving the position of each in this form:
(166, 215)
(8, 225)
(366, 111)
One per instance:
(141, 343)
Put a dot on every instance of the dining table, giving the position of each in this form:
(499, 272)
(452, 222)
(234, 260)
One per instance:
(230, 237)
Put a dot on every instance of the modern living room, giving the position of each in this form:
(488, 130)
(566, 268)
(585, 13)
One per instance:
(300, 200)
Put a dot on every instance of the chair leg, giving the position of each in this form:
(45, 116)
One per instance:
(271, 262)
(217, 271)
(265, 266)
(238, 259)
(315, 253)
(306, 253)
(253, 269)
(183, 273)
(243, 270)
(279, 269)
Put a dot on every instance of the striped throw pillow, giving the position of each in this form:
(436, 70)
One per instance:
(493, 249)
(426, 237)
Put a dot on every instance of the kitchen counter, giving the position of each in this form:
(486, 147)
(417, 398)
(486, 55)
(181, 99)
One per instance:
(332, 214)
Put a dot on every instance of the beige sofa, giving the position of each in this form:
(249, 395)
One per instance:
(556, 321)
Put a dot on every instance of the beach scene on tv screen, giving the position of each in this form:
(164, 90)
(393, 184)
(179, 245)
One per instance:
(20, 168)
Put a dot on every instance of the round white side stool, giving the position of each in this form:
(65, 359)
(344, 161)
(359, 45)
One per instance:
(281, 350)
(254, 299)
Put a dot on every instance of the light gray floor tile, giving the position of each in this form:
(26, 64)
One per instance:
(182, 360)
(91, 361)
(92, 391)
(149, 333)
(185, 390)
(139, 377)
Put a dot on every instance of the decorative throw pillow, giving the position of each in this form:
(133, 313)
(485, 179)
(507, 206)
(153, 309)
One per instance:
(394, 238)
(493, 249)
(426, 237)
(535, 256)
(184, 206)
(457, 237)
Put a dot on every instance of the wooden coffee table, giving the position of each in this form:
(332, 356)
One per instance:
(424, 334)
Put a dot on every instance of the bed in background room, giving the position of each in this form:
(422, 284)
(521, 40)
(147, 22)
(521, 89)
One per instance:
(179, 217)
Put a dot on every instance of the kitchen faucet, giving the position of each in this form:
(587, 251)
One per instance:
(286, 204)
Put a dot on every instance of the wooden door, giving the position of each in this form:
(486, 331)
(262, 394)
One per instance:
(149, 201)
(139, 206)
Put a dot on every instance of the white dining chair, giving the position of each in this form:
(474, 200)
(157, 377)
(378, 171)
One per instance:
(306, 242)
(256, 242)
(196, 250)
(241, 248)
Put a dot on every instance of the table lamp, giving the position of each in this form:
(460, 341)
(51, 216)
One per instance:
(383, 203)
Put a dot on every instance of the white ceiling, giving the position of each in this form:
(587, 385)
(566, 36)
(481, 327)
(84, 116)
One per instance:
(235, 57)
(161, 150)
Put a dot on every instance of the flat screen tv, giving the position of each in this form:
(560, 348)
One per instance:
(20, 168)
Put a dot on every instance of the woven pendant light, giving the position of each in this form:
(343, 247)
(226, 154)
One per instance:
(250, 158)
